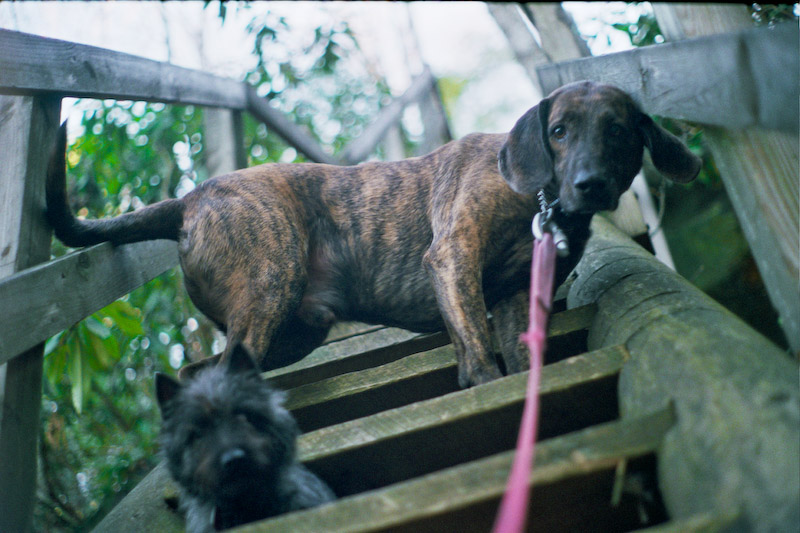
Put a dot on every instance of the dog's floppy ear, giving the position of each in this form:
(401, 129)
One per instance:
(670, 156)
(166, 389)
(525, 160)
(240, 360)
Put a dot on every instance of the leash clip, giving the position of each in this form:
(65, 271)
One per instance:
(543, 223)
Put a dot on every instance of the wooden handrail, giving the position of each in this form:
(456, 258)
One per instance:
(734, 80)
(31, 64)
(41, 301)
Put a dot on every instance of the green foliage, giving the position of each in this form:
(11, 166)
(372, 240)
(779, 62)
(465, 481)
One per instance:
(643, 32)
(319, 78)
(771, 14)
(99, 423)
(99, 420)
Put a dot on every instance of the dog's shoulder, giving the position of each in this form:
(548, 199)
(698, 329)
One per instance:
(474, 145)
(474, 158)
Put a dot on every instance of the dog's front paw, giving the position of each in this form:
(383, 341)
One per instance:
(478, 375)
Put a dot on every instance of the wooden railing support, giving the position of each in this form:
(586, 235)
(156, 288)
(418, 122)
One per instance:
(27, 131)
(734, 444)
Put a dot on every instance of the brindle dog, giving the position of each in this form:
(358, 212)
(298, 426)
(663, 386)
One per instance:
(275, 254)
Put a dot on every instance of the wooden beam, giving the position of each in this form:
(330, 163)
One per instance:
(31, 64)
(353, 354)
(733, 80)
(345, 330)
(434, 119)
(465, 497)
(758, 167)
(710, 522)
(150, 506)
(734, 392)
(43, 300)
(444, 498)
(559, 35)
(27, 132)
(512, 21)
(223, 140)
(416, 377)
(361, 147)
(343, 454)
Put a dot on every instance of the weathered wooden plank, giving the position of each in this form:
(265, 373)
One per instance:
(150, 506)
(735, 393)
(568, 322)
(465, 497)
(354, 353)
(27, 131)
(417, 377)
(484, 417)
(33, 65)
(724, 81)
(712, 522)
(758, 167)
(360, 148)
(345, 330)
(510, 18)
(434, 120)
(41, 301)
(558, 33)
(223, 140)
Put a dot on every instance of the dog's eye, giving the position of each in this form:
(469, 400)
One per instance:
(558, 132)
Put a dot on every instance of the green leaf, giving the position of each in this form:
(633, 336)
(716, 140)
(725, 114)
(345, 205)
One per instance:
(101, 355)
(55, 364)
(126, 317)
(96, 327)
(52, 343)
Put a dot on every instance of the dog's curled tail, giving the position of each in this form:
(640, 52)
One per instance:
(161, 220)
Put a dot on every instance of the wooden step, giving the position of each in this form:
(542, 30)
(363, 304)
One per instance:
(354, 353)
(414, 378)
(461, 426)
(353, 346)
(574, 472)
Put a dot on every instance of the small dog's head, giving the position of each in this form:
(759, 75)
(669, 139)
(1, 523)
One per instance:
(584, 145)
(225, 433)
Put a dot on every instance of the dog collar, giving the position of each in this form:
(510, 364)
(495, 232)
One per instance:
(544, 222)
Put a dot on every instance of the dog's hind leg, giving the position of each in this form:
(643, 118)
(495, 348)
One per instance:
(294, 340)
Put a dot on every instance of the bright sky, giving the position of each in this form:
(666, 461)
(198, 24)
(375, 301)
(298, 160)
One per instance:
(457, 39)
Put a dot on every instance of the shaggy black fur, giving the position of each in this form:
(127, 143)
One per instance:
(230, 444)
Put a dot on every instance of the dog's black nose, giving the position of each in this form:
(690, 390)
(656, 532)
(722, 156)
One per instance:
(232, 456)
(590, 183)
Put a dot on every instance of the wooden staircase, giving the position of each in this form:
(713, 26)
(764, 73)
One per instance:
(386, 425)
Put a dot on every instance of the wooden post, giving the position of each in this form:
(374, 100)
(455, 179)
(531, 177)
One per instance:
(759, 169)
(28, 128)
(223, 140)
(437, 132)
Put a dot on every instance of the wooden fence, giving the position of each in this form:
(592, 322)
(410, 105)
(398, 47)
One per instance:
(376, 452)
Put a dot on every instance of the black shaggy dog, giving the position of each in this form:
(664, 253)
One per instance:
(230, 444)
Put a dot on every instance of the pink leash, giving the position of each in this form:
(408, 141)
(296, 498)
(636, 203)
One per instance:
(513, 511)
